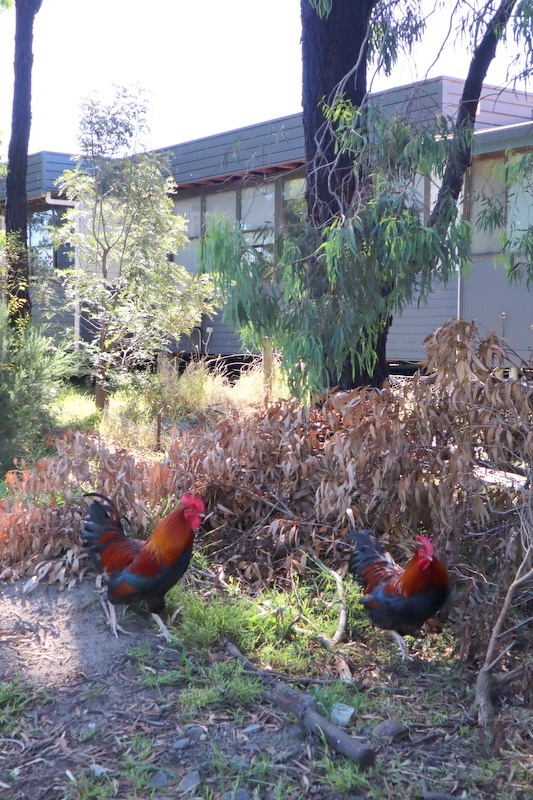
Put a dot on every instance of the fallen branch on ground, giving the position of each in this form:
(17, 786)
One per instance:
(304, 709)
(434, 795)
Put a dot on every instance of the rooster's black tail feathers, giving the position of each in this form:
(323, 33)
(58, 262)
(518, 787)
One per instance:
(366, 552)
(101, 519)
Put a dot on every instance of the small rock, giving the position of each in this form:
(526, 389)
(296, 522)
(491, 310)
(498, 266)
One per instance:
(341, 714)
(189, 782)
(237, 794)
(254, 728)
(196, 731)
(159, 779)
(389, 729)
(239, 762)
(181, 744)
(98, 770)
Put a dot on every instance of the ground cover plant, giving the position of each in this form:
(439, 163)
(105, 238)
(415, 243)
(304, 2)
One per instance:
(268, 598)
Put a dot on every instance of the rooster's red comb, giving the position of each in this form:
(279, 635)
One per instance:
(427, 545)
(192, 501)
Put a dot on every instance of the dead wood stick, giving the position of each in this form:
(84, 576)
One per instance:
(304, 709)
(484, 682)
(339, 633)
(434, 795)
(503, 678)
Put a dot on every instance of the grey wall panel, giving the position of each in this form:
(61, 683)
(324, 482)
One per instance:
(495, 304)
(258, 146)
(223, 340)
(408, 331)
(43, 170)
(34, 175)
(418, 102)
(53, 165)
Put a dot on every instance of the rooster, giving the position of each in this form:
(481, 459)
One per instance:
(141, 570)
(399, 600)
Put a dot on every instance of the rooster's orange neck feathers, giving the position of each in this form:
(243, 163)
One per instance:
(172, 535)
(414, 580)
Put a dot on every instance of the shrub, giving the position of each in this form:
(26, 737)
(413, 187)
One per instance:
(32, 367)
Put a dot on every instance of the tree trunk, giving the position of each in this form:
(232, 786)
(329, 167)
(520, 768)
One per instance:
(16, 196)
(101, 399)
(349, 379)
(334, 59)
(453, 179)
(331, 47)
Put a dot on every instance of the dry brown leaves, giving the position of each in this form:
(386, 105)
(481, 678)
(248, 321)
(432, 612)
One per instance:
(277, 483)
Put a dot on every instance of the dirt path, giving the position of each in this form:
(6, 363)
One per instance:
(102, 720)
(91, 729)
(51, 638)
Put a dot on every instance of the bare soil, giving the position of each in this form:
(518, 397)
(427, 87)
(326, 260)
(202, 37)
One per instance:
(93, 729)
(91, 718)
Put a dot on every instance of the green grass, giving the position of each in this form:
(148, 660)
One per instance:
(90, 787)
(224, 684)
(73, 407)
(13, 700)
(286, 631)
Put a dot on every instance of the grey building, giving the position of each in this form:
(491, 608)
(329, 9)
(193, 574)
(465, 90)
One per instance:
(253, 174)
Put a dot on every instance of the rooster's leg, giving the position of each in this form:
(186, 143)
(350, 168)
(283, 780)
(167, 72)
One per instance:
(167, 636)
(400, 641)
(109, 611)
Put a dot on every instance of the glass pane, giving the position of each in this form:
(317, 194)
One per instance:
(222, 203)
(191, 210)
(293, 189)
(294, 206)
(188, 256)
(38, 230)
(257, 206)
(260, 239)
(484, 187)
(520, 210)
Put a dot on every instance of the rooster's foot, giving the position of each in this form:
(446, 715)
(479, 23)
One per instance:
(165, 633)
(111, 616)
(400, 641)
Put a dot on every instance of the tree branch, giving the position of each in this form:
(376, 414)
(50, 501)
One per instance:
(466, 116)
(485, 680)
(304, 709)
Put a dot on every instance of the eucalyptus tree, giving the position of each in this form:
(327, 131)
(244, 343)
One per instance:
(328, 298)
(17, 270)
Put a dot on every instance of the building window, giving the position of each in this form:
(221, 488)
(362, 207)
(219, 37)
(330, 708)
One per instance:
(258, 207)
(520, 202)
(294, 206)
(222, 203)
(486, 192)
(42, 255)
(191, 210)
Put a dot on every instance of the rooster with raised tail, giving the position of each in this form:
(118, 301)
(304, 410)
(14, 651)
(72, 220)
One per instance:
(141, 570)
(399, 599)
